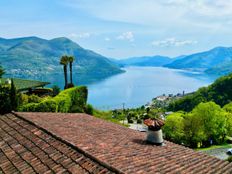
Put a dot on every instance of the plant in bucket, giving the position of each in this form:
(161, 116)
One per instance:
(154, 133)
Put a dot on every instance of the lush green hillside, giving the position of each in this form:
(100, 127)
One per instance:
(204, 60)
(33, 57)
(219, 92)
(145, 61)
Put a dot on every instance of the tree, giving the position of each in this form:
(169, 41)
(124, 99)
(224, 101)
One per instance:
(174, 127)
(228, 109)
(212, 119)
(64, 61)
(13, 96)
(71, 59)
(1, 71)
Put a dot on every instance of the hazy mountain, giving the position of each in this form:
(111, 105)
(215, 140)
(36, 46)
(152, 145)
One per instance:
(33, 57)
(204, 60)
(145, 61)
(221, 69)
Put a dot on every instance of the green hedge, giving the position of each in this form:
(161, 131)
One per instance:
(69, 100)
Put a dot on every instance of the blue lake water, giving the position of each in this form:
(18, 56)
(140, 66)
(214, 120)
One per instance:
(139, 85)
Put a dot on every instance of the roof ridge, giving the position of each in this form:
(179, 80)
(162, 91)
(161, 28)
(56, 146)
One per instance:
(70, 144)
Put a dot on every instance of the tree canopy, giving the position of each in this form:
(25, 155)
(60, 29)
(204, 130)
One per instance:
(206, 124)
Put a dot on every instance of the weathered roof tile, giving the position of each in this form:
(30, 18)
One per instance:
(27, 149)
(79, 143)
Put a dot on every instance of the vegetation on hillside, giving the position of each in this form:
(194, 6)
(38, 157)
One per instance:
(36, 58)
(69, 100)
(8, 97)
(1, 71)
(205, 125)
(219, 92)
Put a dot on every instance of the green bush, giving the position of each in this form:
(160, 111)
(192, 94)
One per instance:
(55, 90)
(30, 107)
(8, 98)
(139, 121)
(46, 106)
(34, 99)
(89, 109)
(5, 100)
(69, 100)
(23, 99)
(229, 159)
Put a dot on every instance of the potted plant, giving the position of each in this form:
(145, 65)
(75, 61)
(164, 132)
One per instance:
(154, 133)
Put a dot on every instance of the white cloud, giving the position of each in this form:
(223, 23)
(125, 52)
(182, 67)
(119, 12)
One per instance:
(206, 14)
(126, 36)
(173, 42)
(80, 36)
(107, 39)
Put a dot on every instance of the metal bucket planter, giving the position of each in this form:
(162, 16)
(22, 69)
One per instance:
(155, 137)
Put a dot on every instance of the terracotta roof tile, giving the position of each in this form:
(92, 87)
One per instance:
(117, 147)
(79, 143)
(25, 148)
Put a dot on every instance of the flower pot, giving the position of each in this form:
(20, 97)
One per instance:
(155, 137)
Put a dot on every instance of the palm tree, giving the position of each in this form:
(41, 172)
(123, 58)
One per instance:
(64, 61)
(71, 59)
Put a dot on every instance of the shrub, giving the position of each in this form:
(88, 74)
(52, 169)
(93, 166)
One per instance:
(139, 121)
(30, 107)
(55, 90)
(23, 99)
(34, 99)
(5, 100)
(229, 159)
(89, 109)
(46, 106)
(8, 98)
(69, 100)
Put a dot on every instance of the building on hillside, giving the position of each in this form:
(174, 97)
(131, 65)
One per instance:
(79, 143)
(23, 85)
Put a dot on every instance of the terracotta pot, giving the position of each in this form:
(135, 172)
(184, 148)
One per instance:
(155, 137)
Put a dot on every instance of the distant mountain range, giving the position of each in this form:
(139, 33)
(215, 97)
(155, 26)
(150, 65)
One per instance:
(33, 57)
(145, 61)
(217, 61)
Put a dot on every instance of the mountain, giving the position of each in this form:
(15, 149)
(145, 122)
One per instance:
(145, 61)
(204, 60)
(33, 57)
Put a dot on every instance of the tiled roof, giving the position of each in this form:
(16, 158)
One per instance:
(25, 148)
(121, 148)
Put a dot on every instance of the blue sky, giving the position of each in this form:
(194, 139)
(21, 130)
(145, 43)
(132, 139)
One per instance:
(123, 28)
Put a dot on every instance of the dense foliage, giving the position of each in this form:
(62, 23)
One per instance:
(1, 71)
(8, 98)
(220, 92)
(207, 124)
(69, 100)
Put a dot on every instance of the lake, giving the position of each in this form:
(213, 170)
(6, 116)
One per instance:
(138, 85)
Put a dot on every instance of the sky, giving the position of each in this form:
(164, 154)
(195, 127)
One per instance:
(123, 28)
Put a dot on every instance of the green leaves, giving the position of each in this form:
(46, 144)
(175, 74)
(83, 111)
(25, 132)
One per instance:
(69, 100)
(207, 123)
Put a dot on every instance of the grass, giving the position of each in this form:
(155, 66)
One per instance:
(214, 147)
